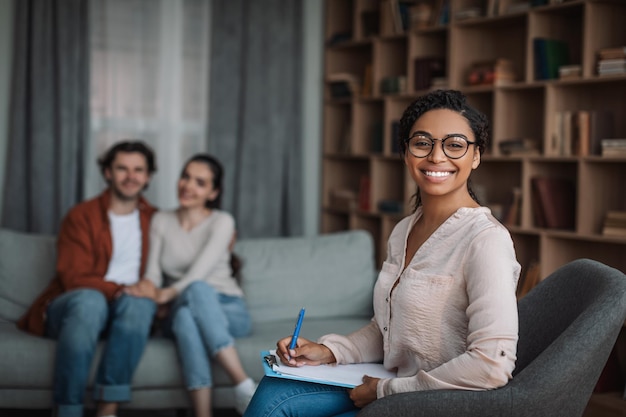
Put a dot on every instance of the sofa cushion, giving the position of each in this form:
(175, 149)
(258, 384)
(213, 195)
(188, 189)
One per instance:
(331, 275)
(27, 264)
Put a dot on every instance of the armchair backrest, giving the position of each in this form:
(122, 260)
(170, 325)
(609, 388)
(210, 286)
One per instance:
(568, 326)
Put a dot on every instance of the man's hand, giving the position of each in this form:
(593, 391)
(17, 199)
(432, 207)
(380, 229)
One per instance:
(143, 288)
(364, 393)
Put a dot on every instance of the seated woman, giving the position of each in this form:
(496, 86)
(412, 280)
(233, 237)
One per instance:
(204, 304)
(445, 311)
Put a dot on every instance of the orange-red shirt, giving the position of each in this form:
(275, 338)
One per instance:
(84, 250)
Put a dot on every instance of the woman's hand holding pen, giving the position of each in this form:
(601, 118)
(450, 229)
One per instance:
(306, 352)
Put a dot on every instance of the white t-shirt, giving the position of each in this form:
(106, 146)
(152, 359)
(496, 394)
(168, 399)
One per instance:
(126, 259)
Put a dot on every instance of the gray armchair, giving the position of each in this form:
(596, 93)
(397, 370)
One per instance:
(568, 326)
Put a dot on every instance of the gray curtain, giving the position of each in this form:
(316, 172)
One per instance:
(49, 113)
(254, 112)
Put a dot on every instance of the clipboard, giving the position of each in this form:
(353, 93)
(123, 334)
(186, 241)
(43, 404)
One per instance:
(347, 376)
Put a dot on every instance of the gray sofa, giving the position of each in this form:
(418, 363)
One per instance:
(331, 276)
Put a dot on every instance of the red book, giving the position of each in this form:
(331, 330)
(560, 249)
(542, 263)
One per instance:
(364, 193)
(554, 201)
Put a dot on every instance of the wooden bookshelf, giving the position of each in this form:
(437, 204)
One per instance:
(358, 130)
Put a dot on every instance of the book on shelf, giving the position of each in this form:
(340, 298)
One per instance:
(493, 72)
(365, 185)
(549, 55)
(516, 6)
(530, 277)
(579, 132)
(370, 22)
(395, 136)
(367, 89)
(343, 84)
(441, 13)
(554, 202)
(393, 84)
(421, 15)
(511, 211)
(400, 14)
(519, 146)
(426, 69)
(613, 147)
(469, 12)
(343, 199)
(601, 125)
(492, 8)
(615, 52)
(614, 223)
(376, 131)
(570, 72)
(612, 66)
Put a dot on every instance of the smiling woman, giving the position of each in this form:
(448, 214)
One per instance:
(448, 282)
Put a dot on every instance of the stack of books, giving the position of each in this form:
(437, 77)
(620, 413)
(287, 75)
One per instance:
(519, 146)
(612, 61)
(570, 72)
(614, 147)
(615, 224)
(344, 84)
(394, 84)
(427, 71)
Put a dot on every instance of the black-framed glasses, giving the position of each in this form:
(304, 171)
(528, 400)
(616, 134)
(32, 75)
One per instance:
(454, 146)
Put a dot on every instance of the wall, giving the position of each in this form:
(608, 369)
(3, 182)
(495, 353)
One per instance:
(312, 114)
(6, 32)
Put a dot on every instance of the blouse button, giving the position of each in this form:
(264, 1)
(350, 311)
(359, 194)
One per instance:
(385, 328)
(387, 299)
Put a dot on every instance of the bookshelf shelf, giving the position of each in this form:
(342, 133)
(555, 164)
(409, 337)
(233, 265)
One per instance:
(359, 130)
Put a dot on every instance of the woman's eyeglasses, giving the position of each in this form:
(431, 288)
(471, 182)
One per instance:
(454, 146)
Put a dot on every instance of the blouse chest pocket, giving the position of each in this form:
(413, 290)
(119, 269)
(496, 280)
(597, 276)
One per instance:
(426, 293)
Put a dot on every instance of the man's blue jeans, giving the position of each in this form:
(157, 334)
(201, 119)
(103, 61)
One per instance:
(277, 397)
(77, 320)
(203, 322)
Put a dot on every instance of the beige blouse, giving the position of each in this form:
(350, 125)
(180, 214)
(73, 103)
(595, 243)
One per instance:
(451, 321)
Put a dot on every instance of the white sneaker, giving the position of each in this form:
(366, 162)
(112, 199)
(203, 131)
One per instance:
(243, 394)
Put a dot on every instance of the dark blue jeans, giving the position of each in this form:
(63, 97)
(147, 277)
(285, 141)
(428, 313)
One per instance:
(77, 320)
(277, 397)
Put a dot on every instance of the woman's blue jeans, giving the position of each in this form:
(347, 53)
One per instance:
(277, 397)
(203, 322)
(77, 319)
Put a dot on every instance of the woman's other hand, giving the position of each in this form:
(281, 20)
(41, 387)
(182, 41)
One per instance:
(306, 352)
(364, 393)
(165, 295)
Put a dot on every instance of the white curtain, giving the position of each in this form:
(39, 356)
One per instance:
(149, 80)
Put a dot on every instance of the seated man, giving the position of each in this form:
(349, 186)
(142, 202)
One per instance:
(98, 291)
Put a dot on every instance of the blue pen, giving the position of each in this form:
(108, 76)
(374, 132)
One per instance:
(296, 331)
